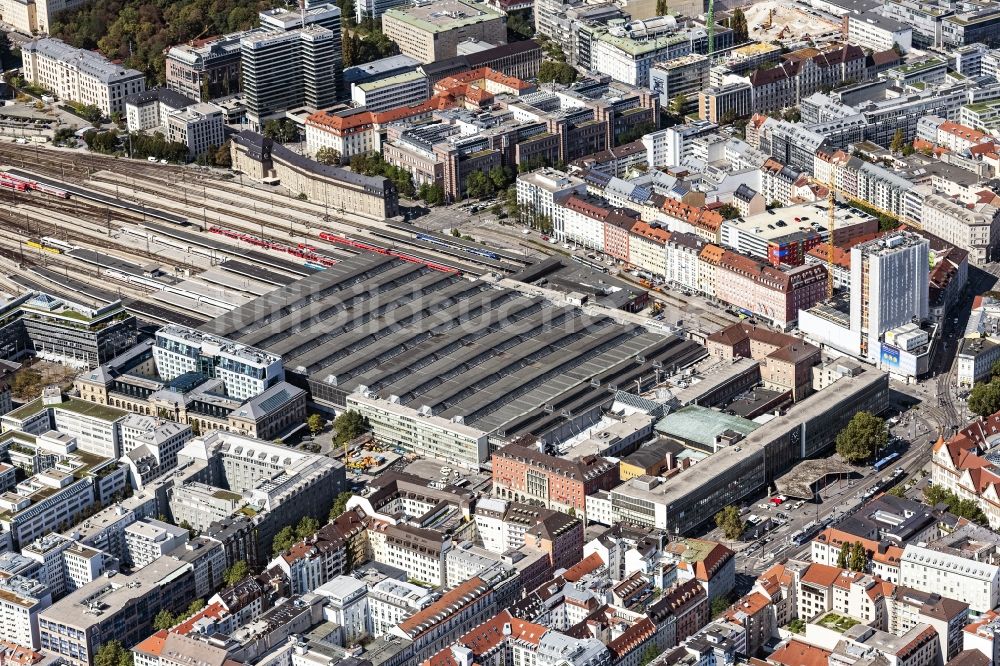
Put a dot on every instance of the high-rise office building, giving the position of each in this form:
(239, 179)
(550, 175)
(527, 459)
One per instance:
(889, 281)
(292, 61)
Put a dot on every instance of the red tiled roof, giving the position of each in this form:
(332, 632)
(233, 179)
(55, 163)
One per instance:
(797, 653)
(821, 574)
(488, 636)
(153, 644)
(587, 565)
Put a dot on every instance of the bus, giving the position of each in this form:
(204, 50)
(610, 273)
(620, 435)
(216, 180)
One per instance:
(885, 462)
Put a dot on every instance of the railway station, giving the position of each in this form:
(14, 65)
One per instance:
(463, 358)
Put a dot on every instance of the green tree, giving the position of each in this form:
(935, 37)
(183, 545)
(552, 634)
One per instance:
(720, 605)
(237, 572)
(862, 437)
(792, 115)
(315, 422)
(306, 527)
(6, 57)
(984, 399)
(340, 504)
(738, 23)
(26, 384)
(327, 155)
(350, 424)
(519, 26)
(283, 540)
(661, 8)
(858, 559)
(730, 522)
(963, 508)
(729, 212)
(164, 620)
(651, 652)
(677, 104)
(479, 186)
(898, 141)
(113, 653)
(195, 607)
(558, 72)
(842, 556)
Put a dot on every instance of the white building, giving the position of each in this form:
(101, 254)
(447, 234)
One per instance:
(347, 606)
(389, 93)
(951, 575)
(889, 287)
(201, 127)
(78, 75)
(626, 55)
(161, 437)
(96, 428)
(432, 436)
(245, 371)
(21, 599)
(149, 539)
(669, 147)
(542, 192)
(878, 33)
(392, 601)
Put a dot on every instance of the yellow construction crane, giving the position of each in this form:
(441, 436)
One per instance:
(831, 202)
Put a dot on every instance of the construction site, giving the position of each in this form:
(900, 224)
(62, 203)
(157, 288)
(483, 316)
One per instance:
(788, 21)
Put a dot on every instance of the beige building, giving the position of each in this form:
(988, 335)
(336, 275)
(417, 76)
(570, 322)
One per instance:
(338, 189)
(79, 75)
(431, 32)
(32, 17)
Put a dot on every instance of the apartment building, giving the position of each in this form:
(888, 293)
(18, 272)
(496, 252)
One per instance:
(79, 75)
(420, 552)
(647, 248)
(149, 539)
(392, 601)
(948, 617)
(21, 600)
(431, 31)
(950, 572)
(334, 550)
(440, 623)
(121, 608)
(172, 648)
(542, 193)
(504, 526)
(347, 606)
(975, 229)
